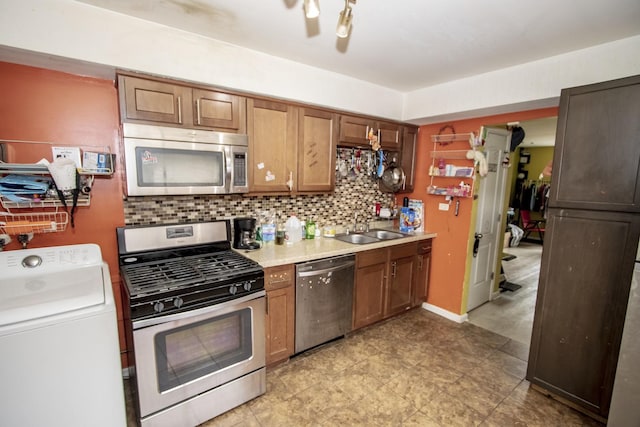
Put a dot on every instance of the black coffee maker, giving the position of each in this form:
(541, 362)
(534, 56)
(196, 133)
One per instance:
(244, 233)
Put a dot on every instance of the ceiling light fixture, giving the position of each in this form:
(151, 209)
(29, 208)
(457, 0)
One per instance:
(344, 20)
(311, 9)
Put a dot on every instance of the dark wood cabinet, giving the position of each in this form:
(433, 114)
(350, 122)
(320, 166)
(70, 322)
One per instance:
(369, 288)
(408, 157)
(590, 243)
(596, 162)
(280, 316)
(421, 277)
(169, 103)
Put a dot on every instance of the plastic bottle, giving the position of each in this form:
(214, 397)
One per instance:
(311, 229)
(293, 229)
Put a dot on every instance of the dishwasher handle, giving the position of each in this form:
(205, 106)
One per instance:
(342, 266)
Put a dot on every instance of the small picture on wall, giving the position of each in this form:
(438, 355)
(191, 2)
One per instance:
(524, 159)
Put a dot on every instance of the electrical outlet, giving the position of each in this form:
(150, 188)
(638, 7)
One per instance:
(443, 206)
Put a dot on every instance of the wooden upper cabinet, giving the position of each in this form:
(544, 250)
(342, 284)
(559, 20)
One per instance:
(172, 104)
(408, 157)
(354, 132)
(596, 162)
(272, 130)
(219, 110)
(390, 135)
(317, 137)
(152, 101)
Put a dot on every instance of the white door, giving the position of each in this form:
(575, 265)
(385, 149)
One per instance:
(490, 204)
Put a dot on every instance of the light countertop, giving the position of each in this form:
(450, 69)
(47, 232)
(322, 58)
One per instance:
(272, 255)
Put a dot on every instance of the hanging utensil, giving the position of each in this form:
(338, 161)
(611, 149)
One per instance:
(380, 170)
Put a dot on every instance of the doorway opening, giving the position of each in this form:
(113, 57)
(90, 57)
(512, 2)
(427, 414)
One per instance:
(510, 312)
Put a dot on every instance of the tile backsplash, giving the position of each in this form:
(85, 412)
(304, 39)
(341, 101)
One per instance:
(356, 193)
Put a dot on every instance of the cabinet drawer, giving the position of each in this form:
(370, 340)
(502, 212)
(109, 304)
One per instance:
(372, 257)
(424, 247)
(401, 251)
(279, 277)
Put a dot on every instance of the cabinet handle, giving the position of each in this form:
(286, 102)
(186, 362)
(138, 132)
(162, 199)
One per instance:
(284, 279)
(198, 110)
(180, 110)
(393, 273)
(366, 133)
(266, 303)
(420, 263)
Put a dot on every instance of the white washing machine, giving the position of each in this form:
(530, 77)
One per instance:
(59, 348)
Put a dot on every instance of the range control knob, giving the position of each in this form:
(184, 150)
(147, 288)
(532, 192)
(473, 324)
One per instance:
(177, 302)
(247, 286)
(158, 306)
(233, 290)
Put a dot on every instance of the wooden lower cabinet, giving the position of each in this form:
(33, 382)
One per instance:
(280, 316)
(400, 279)
(369, 288)
(421, 279)
(390, 281)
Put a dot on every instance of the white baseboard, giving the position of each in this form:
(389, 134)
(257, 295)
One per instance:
(458, 318)
(495, 295)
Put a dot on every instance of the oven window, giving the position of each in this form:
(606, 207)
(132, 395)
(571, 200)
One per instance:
(165, 167)
(198, 349)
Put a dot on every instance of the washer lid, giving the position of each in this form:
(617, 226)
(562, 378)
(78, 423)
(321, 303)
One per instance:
(45, 282)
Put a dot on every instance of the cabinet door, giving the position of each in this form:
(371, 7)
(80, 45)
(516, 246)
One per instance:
(354, 130)
(585, 275)
(317, 134)
(272, 146)
(420, 289)
(369, 291)
(152, 101)
(280, 316)
(400, 282)
(390, 136)
(596, 162)
(408, 158)
(219, 110)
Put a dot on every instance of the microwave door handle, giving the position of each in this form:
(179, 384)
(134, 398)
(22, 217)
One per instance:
(228, 175)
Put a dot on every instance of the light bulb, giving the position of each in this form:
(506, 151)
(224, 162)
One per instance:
(311, 9)
(344, 23)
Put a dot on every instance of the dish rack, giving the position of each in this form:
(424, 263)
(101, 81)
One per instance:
(26, 223)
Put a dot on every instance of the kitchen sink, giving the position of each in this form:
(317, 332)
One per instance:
(384, 234)
(357, 239)
(372, 236)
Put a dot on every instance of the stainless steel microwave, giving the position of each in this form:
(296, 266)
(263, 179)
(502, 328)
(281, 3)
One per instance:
(171, 161)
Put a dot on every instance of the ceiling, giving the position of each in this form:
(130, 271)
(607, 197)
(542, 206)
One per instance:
(402, 45)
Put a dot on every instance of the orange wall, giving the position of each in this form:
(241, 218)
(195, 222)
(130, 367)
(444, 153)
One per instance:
(452, 246)
(44, 105)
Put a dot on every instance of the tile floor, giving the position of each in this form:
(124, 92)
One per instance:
(417, 369)
(511, 315)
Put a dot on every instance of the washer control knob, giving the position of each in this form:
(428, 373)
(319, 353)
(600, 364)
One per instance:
(177, 302)
(247, 286)
(158, 306)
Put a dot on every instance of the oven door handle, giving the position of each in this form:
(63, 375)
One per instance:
(190, 313)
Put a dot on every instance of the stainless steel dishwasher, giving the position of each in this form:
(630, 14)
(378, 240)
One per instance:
(324, 296)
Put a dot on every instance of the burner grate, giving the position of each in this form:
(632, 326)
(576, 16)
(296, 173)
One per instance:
(177, 273)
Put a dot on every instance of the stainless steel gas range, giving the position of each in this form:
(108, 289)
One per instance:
(194, 316)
